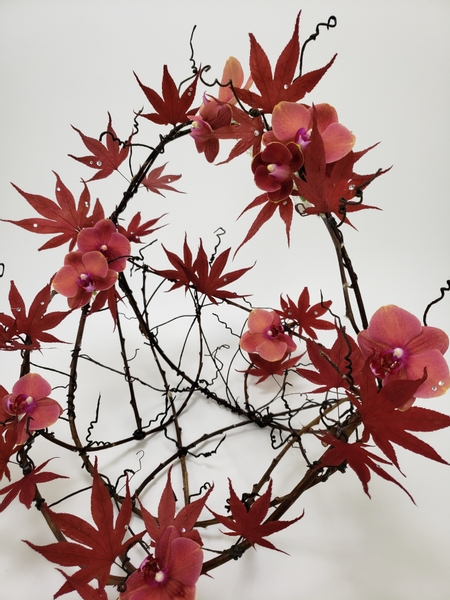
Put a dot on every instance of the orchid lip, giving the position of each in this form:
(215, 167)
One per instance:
(86, 282)
(20, 404)
(388, 361)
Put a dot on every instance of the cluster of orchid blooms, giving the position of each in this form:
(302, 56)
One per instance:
(303, 161)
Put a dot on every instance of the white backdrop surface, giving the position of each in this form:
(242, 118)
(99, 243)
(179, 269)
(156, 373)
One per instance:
(69, 62)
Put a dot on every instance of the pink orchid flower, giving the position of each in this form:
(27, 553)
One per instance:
(82, 275)
(292, 122)
(105, 238)
(400, 347)
(273, 169)
(232, 72)
(171, 574)
(266, 337)
(30, 404)
(212, 115)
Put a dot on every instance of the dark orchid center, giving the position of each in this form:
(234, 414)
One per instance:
(17, 405)
(279, 172)
(272, 332)
(302, 137)
(389, 361)
(86, 281)
(106, 252)
(153, 574)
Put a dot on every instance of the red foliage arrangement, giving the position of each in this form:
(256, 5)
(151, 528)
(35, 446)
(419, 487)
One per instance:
(363, 387)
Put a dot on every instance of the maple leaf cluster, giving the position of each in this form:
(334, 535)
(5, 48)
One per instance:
(270, 357)
(395, 347)
(104, 158)
(205, 276)
(304, 317)
(93, 549)
(22, 331)
(385, 412)
(384, 425)
(308, 155)
(247, 522)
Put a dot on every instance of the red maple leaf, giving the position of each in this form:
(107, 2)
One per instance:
(387, 425)
(25, 488)
(63, 218)
(94, 549)
(305, 315)
(246, 128)
(183, 522)
(86, 591)
(155, 181)
(285, 209)
(7, 442)
(263, 368)
(107, 157)
(35, 324)
(110, 297)
(7, 332)
(136, 229)
(337, 366)
(171, 108)
(281, 85)
(331, 188)
(247, 522)
(358, 458)
(205, 276)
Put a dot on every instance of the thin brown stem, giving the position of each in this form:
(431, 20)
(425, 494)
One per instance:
(346, 266)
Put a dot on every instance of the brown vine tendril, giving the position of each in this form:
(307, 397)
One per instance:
(175, 133)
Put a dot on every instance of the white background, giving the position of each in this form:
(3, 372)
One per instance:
(69, 62)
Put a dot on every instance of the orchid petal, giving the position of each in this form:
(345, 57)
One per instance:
(119, 249)
(272, 349)
(337, 141)
(45, 414)
(104, 283)
(137, 588)
(259, 320)
(438, 377)
(392, 326)
(90, 238)
(265, 181)
(106, 228)
(250, 341)
(276, 153)
(74, 260)
(232, 72)
(95, 263)
(288, 118)
(186, 559)
(326, 116)
(269, 137)
(80, 299)
(431, 337)
(33, 385)
(65, 282)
